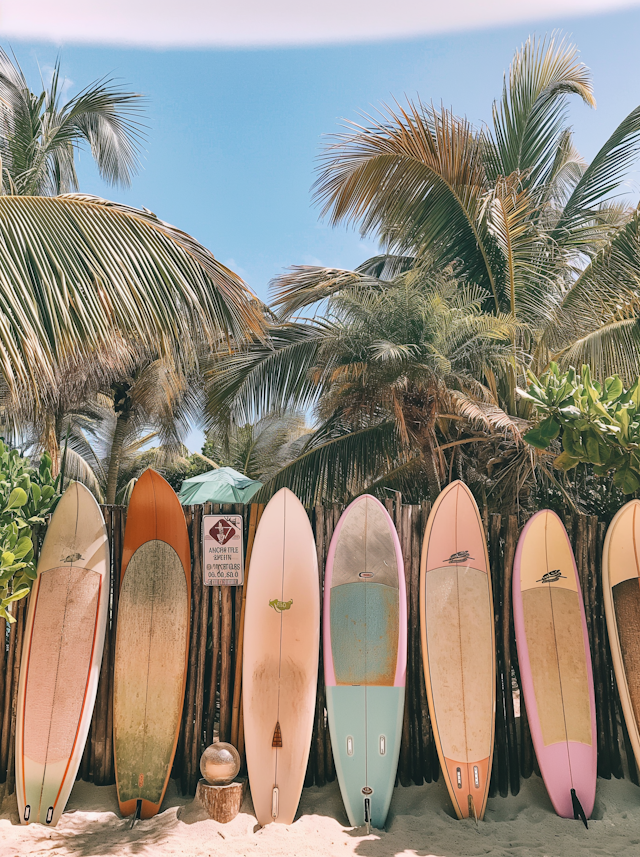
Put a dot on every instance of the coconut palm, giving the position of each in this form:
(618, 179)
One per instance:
(258, 450)
(389, 367)
(513, 207)
(86, 285)
(108, 438)
(40, 133)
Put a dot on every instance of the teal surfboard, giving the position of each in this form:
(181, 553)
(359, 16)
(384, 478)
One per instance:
(365, 656)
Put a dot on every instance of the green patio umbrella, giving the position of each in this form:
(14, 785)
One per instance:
(224, 485)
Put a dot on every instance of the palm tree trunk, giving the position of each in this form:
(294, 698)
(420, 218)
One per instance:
(431, 469)
(50, 441)
(115, 456)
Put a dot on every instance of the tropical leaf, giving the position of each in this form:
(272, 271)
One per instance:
(338, 467)
(605, 293)
(415, 178)
(306, 285)
(529, 120)
(265, 377)
(509, 210)
(39, 135)
(76, 270)
(601, 178)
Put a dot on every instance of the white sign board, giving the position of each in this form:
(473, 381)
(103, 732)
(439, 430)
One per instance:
(222, 553)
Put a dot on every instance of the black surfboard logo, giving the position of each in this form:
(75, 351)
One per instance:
(552, 576)
(460, 556)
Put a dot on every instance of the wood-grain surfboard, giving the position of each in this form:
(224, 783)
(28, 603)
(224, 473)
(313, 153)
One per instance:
(152, 642)
(458, 649)
(621, 591)
(365, 657)
(280, 658)
(61, 656)
(555, 664)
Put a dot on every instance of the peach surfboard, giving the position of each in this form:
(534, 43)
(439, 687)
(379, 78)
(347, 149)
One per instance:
(458, 651)
(61, 656)
(152, 645)
(555, 664)
(280, 658)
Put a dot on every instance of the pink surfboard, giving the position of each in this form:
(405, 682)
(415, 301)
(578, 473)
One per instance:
(61, 656)
(555, 664)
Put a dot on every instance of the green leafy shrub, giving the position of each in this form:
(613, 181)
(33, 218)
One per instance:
(596, 423)
(27, 496)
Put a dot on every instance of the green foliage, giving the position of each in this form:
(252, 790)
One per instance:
(27, 496)
(185, 468)
(597, 424)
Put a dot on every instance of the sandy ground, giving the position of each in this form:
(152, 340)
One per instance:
(420, 823)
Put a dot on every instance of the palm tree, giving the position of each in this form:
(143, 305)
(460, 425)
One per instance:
(513, 207)
(88, 286)
(388, 365)
(85, 281)
(40, 134)
(259, 449)
(108, 438)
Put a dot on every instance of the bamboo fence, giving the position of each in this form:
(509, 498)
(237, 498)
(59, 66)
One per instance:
(213, 697)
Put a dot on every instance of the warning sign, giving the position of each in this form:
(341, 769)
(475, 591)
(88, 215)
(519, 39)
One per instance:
(223, 557)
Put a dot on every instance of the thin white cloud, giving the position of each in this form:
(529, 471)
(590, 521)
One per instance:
(65, 83)
(255, 23)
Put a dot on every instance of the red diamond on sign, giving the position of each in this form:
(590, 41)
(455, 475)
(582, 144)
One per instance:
(222, 532)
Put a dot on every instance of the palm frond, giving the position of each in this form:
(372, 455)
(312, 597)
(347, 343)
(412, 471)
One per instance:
(75, 270)
(415, 178)
(338, 467)
(264, 377)
(530, 118)
(613, 348)
(606, 291)
(306, 285)
(602, 177)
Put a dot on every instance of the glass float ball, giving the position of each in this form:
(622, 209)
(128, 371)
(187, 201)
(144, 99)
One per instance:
(220, 763)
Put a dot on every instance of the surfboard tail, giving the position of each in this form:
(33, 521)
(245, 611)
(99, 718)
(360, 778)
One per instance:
(578, 811)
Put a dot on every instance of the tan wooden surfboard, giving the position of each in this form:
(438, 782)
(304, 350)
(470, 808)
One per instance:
(621, 591)
(280, 662)
(61, 656)
(458, 651)
(152, 642)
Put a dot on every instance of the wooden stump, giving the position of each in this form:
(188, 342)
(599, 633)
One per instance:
(222, 803)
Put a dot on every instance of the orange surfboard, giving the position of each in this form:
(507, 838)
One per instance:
(152, 644)
(458, 651)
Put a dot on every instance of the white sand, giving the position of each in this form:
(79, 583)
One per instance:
(420, 824)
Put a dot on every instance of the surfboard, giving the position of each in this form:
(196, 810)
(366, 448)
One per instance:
(555, 664)
(152, 644)
(621, 591)
(365, 657)
(458, 647)
(280, 658)
(61, 656)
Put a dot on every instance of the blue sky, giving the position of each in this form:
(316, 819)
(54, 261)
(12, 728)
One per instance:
(233, 135)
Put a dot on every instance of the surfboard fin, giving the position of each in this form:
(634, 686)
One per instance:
(472, 809)
(367, 814)
(578, 811)
(277, 736)
(137, 813)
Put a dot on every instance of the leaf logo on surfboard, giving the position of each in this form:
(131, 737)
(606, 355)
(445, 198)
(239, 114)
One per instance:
(222, 531)
(280, 606)
(460, 556)
(552, 576)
